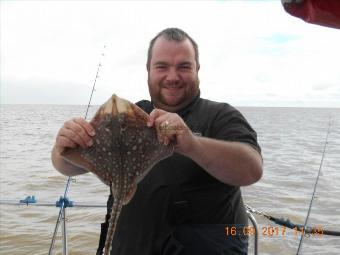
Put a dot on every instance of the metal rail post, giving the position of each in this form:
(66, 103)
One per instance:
(64, 232)
(256, 236)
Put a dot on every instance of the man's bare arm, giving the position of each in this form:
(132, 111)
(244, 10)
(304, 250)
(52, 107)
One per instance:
(233, 163)
(63, 166)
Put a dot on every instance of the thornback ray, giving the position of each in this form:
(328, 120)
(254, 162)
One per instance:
(124, 151)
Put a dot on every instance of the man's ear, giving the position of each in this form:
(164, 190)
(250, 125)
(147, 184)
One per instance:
(198, 67)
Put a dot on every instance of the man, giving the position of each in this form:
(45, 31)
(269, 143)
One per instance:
(184, 204)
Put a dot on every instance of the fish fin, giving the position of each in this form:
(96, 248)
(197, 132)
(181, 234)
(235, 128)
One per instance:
(73, 156)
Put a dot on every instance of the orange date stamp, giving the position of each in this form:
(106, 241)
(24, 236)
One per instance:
(273, 231)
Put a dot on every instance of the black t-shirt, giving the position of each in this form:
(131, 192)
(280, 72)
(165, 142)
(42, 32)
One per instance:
(147, 220)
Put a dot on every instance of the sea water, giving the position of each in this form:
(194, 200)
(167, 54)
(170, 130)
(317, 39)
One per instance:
(292, 142)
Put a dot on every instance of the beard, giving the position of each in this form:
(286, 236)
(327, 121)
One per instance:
(180, 99)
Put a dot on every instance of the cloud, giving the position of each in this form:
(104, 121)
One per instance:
(249, 51)
(43, 92)
(280, 38)
(320, 87)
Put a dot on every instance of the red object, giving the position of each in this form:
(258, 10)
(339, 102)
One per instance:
(320, 12)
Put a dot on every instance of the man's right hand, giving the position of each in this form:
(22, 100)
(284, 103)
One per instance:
(74, 132)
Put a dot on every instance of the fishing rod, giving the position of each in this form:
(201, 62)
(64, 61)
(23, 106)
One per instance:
(61, 215)
(316, 182)
(94, 84)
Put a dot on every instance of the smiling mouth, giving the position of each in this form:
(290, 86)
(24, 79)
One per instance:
(172, 87)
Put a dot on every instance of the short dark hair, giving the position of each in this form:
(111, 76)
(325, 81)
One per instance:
(172, 34)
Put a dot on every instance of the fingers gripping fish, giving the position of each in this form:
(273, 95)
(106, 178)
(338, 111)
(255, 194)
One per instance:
(124, 151)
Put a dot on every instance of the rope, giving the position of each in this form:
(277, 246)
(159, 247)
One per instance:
(298, 227)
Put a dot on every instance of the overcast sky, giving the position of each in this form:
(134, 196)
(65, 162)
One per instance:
(252, 53)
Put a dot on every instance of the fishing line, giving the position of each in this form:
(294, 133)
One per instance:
(316, 182)
(62, 206)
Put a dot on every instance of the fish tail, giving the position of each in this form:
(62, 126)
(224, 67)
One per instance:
(116, 209)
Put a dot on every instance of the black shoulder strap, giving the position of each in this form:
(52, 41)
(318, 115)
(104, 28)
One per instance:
(180, 204)
(104, 226)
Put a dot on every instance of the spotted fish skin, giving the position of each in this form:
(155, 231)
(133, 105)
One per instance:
(124, 151)
(105, 162)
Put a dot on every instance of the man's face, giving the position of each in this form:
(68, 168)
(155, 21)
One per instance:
(173, 74)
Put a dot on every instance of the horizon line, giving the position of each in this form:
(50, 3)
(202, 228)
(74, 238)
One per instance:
(250, 106)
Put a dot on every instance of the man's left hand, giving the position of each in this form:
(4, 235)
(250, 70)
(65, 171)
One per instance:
(171, 128)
